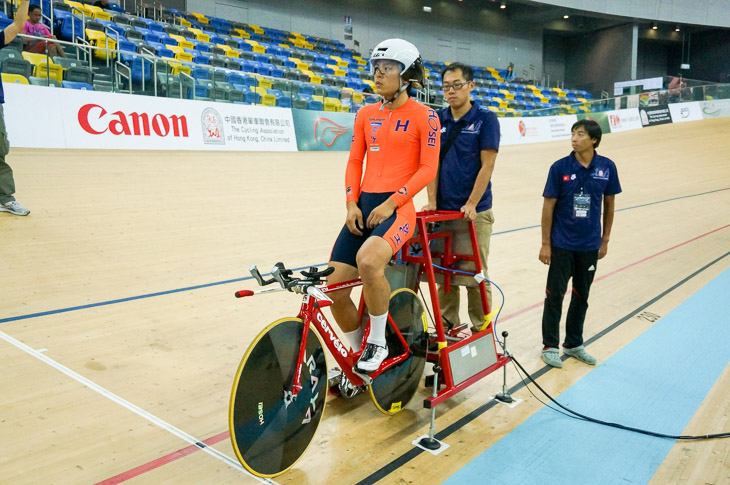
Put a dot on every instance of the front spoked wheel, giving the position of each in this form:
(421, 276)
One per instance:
(395, 387)
(269, 430)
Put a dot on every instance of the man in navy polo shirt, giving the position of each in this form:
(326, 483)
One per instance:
(572, 241)
(7, 183)
(463, 181)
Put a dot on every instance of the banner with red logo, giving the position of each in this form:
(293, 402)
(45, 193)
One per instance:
(516, 131)
(624, 119)
(88, 119)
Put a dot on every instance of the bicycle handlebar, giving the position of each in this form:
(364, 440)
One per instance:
(283, 276)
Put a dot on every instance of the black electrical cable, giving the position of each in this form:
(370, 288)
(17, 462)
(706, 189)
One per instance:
(576, 415)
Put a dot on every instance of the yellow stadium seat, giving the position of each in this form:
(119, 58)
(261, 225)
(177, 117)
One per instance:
(100, 39)
(313, 78)
(97, 13)
(14, 78)
(185, 23)
(200, 17)
(185, 44)
(370, 83)
(268, 100)
(44, 66)
(318, 98)
(199, 35)
(302, 66)
(261, 90)
(256, 29)
(340, 72)
(332, 104)
(178, 68)
(507, 94)
(184, 56)
(358, 97)
(264, 82)
(259, 49)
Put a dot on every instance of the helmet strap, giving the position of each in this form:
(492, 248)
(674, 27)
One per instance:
(397, 93)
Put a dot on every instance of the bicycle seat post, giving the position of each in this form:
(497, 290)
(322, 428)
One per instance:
(431, 443)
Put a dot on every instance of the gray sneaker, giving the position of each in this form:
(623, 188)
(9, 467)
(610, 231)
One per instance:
(551, 356)
(580, 354)
(14, 208)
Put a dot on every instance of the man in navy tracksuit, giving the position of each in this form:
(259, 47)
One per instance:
(572, 240)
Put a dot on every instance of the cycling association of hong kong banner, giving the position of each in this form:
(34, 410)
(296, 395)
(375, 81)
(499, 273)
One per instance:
(323, 130)
(88, 119)
(515, 131)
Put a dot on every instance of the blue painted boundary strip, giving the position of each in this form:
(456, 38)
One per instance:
(656, 382)
(197, 287)
(402, 460)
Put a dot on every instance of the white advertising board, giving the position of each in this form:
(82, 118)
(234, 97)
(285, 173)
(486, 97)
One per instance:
(87, 119)
(515, 131)
(685, 112)
(624, 119)
(718, 108)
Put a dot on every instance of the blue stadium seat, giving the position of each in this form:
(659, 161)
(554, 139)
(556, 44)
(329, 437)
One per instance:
(77, 85)
(316, 106)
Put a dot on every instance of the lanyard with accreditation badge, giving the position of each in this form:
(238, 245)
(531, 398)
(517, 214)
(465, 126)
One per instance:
(582, 201)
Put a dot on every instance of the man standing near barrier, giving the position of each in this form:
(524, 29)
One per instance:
(572, 241)
(7, 183)
(469, 145)
(401, 140)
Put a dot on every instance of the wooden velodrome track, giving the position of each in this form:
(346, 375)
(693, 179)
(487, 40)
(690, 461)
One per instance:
(120, 335)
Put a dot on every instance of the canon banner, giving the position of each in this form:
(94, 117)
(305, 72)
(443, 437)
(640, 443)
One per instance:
(87, 119)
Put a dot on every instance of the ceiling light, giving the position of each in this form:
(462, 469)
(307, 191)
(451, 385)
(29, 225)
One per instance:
(654, 26)
(427, 9)
(566, 16)
(503, 5)
(677, 29)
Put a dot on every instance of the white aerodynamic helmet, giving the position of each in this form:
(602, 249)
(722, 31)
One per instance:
(406, 54)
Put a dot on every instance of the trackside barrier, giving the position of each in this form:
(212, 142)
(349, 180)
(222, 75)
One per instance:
(98, 120)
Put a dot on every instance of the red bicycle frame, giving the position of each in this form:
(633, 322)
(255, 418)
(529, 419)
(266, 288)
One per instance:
(311, 313)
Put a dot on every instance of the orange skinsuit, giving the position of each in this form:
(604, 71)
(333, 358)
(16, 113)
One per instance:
(402, 147)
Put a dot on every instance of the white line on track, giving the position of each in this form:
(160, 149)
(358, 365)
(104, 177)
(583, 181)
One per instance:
(135, 409)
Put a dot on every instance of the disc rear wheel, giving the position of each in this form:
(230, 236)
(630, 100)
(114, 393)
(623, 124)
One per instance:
(269, 431)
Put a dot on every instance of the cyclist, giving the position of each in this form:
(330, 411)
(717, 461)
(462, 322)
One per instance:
(401, 138)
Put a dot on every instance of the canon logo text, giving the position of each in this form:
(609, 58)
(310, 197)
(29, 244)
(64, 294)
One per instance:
(95, 120)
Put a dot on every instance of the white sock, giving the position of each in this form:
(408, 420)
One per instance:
(377, 329)
(355, 339)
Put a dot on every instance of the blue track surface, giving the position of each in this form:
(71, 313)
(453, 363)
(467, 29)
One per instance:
(656, 382)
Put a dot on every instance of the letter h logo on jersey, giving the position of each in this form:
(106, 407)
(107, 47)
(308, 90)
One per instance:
(399, 125)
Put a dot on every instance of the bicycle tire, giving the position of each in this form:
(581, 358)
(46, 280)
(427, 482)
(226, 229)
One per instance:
(269, 436)
(393, 389)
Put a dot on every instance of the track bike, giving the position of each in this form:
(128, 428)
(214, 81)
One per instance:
(279, 390)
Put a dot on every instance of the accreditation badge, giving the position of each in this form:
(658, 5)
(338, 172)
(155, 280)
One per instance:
(581, 205)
